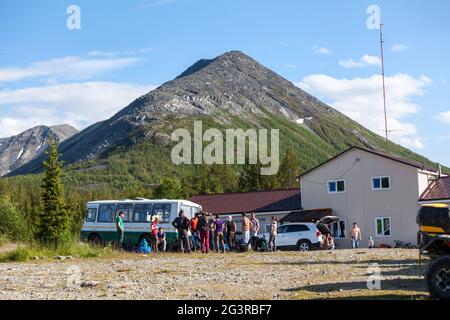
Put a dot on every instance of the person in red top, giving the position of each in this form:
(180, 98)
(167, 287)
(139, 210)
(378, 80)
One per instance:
(195, 234)
(154, 233)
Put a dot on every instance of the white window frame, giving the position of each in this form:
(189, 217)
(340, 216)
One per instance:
(336, 181)
(339, 229)
(381, 183)
(390, 227)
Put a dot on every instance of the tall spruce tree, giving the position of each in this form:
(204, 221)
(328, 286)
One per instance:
(289, 170)
(53, 221)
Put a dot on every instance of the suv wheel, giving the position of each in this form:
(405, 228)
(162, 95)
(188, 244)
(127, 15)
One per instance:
(438, 278)
(303, 245)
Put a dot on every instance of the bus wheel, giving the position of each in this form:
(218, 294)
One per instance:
(95, 239)
(438, 278)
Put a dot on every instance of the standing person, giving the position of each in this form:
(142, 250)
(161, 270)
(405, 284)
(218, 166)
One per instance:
(246, 225)
(203, 228)
(355, 235)
(162, 239)
(181, 223)
(211, 220)
(218, 234)
(371, 243)
(194, 232)
(154, 230)
(273, 234)
(231, 232)
(120, 226)
(255, 226)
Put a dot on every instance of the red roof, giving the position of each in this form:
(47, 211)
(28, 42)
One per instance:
(438, 189)
(257, 201)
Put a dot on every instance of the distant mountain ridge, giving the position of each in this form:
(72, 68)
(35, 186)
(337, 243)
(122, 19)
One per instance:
(18, 150)
(230, 91)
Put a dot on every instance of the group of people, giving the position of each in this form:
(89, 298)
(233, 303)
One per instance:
(204, 232)
(355, 238)
(207, 232)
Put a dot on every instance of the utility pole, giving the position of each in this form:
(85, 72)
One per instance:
(384, 88)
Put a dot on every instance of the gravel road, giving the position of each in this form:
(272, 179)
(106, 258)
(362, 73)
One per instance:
(280, 275)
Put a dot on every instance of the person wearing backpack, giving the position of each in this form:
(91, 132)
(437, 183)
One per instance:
(203, 228)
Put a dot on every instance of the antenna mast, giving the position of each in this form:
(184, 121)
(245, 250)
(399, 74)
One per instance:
(384, 88)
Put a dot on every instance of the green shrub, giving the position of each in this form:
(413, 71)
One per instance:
(12, 223)
(18, 255)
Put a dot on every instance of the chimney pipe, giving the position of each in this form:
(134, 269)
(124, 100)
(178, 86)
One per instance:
(439, 171)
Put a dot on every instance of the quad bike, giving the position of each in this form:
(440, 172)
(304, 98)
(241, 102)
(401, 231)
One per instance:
(434, 241)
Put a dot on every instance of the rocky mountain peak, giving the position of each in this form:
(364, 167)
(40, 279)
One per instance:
(18, 150)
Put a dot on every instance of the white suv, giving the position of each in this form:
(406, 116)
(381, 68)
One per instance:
(298, 236)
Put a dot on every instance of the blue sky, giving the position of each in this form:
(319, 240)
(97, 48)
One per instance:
(50, 74)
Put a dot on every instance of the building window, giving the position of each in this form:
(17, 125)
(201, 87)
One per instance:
(336, 186)
(383, 227)
(338, 229)
(381, 183)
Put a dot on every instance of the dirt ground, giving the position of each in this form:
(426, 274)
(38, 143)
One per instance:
(342, 274)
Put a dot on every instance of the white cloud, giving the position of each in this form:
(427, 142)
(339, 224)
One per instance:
(398, 47)
(79, 104)
(365, 60)
(322, 50)
(350, 63)
(67, 68)
(444, 117)
(371, 60)
(361, 100)
(112, 54)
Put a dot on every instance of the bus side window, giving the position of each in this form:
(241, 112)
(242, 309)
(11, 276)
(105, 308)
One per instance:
(142, 212)
(162, 211)
(106, 213)
(91, 214)
(128, 209)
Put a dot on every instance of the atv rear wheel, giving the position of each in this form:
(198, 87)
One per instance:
(437, 278)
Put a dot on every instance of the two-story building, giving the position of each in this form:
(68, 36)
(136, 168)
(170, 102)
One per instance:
(378, 191)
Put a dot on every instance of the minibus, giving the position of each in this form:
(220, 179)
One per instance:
(99, 223)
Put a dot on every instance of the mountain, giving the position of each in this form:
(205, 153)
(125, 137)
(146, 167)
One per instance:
(20, 149)
(230, 91)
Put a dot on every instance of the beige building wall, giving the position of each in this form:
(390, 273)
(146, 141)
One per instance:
(360, 203)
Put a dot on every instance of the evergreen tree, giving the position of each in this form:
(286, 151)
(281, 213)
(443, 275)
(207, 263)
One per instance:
(169, 188)
(289, 170)
(53, 221)
(250, 178)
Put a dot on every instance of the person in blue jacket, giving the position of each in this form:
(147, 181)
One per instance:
(144, 247)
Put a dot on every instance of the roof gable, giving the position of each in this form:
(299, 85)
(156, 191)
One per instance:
(374, 152)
